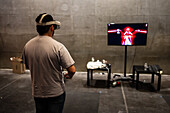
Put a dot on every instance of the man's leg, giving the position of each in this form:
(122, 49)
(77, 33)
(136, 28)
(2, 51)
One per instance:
(56, 104)
(41, 105)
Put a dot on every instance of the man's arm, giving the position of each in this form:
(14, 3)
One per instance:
(71, 71)
(24, 60)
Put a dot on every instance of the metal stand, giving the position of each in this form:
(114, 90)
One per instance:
(125, 62)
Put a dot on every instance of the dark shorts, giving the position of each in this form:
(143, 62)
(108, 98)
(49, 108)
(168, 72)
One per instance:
(50, 105)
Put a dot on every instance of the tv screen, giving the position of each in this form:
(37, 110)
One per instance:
(127, 34)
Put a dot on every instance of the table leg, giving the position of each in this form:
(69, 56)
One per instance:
(159, 82)
(91, 74)
(137, 80)
(109, 77)
(88, 77)
(133, 76)
(152, 80)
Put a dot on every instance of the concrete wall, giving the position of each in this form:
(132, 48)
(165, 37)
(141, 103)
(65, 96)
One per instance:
(84, 29)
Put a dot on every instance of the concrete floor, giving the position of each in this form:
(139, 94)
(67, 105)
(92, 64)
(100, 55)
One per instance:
(15, 94)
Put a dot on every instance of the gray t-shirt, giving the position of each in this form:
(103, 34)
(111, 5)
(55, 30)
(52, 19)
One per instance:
(45, 57)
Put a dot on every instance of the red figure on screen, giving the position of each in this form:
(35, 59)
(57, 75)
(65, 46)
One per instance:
(128, 35)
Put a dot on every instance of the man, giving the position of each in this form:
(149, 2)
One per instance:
(45, 57)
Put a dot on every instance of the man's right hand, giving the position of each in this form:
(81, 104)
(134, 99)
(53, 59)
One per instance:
(71, 71)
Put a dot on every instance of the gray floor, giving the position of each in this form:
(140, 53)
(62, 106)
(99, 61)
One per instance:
(15, 94)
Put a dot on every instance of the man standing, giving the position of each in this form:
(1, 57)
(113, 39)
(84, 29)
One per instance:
(45, 58)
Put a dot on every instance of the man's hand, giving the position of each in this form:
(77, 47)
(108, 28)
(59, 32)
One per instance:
(66, 75)
(71, 71)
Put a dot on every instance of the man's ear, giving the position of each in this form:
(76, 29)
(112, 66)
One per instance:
(52, 28)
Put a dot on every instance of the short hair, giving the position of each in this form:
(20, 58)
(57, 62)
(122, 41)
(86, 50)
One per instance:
(43, 29)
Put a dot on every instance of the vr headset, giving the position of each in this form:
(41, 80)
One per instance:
(55, 23)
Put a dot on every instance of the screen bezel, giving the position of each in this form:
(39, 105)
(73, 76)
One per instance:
(126, 24)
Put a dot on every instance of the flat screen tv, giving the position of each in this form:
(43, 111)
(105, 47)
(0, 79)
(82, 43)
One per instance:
(127, 34)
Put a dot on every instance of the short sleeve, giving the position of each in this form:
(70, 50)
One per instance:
(65, 57)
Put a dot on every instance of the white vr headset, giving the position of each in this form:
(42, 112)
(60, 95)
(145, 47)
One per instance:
(57, 23)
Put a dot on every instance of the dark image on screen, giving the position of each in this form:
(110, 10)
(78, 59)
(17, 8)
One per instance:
(127, 34)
